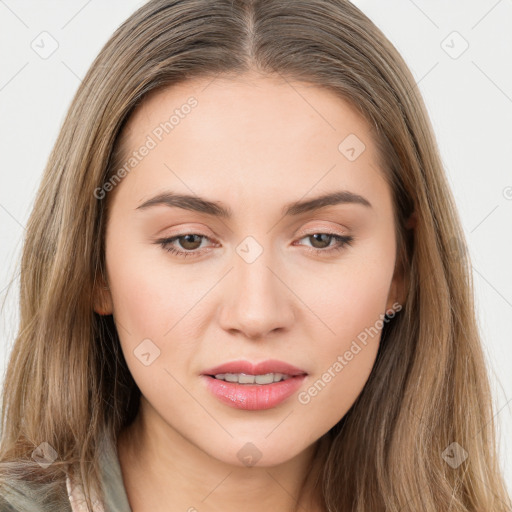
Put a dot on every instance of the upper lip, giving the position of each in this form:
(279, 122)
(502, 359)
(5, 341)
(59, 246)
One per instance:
(268, 366)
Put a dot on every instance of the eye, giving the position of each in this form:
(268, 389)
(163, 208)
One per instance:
(191, 242)
(321, 239)
(188, 241)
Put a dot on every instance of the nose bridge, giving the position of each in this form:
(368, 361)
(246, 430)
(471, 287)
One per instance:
(256, 301)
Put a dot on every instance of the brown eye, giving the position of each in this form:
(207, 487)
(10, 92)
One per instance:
(190, 242)
(321, 240)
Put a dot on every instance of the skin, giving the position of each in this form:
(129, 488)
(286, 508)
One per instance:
(254, 143)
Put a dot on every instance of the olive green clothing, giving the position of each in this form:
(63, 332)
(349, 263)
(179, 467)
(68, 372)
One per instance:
(20, 497)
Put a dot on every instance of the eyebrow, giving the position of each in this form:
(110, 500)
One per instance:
(217, 209)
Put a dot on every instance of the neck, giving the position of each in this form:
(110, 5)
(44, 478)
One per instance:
(161, 467)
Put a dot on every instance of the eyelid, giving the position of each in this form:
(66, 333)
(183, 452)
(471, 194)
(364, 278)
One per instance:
(342, 242)
(299, 235)
(341, 230)
(187, 229)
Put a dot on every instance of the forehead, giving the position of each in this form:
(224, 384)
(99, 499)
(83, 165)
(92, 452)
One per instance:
(244, 105)
(246, 135)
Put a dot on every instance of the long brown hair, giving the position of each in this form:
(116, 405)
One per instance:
(67, 383)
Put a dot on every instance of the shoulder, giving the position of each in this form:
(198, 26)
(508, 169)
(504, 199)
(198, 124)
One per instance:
(23, 496)
(5, 506)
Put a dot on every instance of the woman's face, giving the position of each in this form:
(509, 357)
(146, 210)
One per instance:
(258, 273)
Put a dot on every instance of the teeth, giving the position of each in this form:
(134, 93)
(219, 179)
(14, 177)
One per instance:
(243, 378)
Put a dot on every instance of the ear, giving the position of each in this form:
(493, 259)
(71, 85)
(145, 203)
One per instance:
(412, 221)
(400, 282)
(398, 288)
(102, 299)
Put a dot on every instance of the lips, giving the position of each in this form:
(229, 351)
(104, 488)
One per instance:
(262, 368)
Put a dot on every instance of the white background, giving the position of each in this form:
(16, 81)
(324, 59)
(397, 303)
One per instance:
(469, 99)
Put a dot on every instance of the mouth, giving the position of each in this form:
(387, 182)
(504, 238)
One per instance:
(244, 385)
(263, 370)
(247, 379)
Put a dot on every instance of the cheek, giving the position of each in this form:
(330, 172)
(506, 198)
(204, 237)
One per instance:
(150, 294)
(154, 300)
(351, 306)
(138, 294)
(350, 299)
(343, 360)
(147, 305)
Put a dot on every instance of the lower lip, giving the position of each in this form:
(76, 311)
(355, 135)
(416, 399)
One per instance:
(253, 397)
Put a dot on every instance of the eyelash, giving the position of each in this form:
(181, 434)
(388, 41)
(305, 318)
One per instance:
(343, 242)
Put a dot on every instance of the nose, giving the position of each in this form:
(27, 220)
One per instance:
(256, 300)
